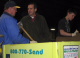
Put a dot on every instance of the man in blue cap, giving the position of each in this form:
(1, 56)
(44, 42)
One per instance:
(9, 27)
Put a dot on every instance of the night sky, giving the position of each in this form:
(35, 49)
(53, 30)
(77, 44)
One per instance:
(52, 10)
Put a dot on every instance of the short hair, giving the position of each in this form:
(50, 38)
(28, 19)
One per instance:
(72, 11)
(32, 3)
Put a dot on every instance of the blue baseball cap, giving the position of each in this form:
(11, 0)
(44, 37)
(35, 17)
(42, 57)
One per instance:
(11, 4)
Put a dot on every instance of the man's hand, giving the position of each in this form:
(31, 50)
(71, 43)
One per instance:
(76, 31)
(73, 34)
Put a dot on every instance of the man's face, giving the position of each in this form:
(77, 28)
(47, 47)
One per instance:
(31, 10)
(13, 10)
(71, 16)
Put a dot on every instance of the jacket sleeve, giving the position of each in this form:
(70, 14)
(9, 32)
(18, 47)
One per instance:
(46, 31)
(14, 32)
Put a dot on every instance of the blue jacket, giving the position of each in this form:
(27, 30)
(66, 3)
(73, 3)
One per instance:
(10, 30)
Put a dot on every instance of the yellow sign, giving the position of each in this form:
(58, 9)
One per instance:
(37, 50)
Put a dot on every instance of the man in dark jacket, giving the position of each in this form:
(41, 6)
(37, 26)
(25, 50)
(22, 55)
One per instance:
(35, 25)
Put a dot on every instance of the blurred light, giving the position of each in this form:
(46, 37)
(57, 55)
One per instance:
(52, 29)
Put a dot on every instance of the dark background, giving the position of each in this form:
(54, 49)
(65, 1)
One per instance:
(52, 10)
